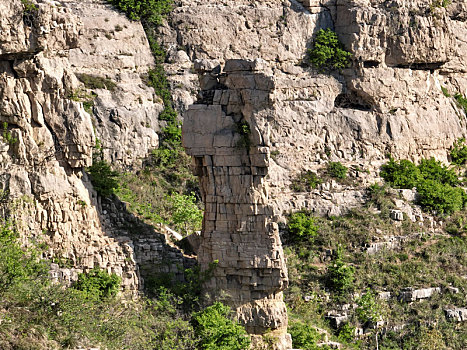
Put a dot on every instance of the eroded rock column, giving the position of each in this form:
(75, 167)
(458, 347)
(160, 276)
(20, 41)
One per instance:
(227, 135)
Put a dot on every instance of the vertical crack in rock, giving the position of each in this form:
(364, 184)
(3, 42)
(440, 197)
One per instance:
(238, 231)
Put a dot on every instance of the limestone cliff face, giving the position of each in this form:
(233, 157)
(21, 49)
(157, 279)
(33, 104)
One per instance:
(47, 136)
(256, 116)
(389, 102)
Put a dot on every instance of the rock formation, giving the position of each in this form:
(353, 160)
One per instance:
(48, 137)
(227, 136)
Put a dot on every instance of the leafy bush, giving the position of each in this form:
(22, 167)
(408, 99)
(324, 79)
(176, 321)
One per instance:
(368, 310)
(402, 174)
(186, 216)
(217, 331)
(459, 152)
(96, 82)
(431, 169)
(103, 178)
(340, 276)
(243, 128)
(148, 11)
(17, 265)
(301, 225)
(328, 52)
(336, 170)
(442, 198)
(435, 183)
(98, 284)
(462, 101)
(304, 336)
(7, 136)
(306, 181)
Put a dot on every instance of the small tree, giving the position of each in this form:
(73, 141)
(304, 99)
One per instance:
(340, 276)
(98, 284)
(186, 215)
(301, 225)
(216, 331)
(327, 52)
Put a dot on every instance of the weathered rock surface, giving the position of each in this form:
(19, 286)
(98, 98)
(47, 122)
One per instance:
(226, 140)
(49, 137)
(389, 102)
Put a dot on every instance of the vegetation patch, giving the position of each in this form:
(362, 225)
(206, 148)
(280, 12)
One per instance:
(305, 181)
(217, 331)
(336, 170)
(327, 52)
(436, 184)
(96, 82)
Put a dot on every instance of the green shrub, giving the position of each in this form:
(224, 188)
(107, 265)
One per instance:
(7, 136)
(103, 178)
(431, 169)
(459, 152)
(368, 310)
(402, 174)
(442, 198)
(462, 101)
(17, 265)
(445, 91)
(306, 181)
(304, 336)
(336, 170)
(243, 128)
(98, 284)
(340, 276)
(148, 11)
(327, 52)
(29, 6)
(186, 216)
(216, 331)
(301, 225)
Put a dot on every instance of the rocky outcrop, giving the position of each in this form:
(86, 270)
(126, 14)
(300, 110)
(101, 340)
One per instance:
(390, 101)
(228, 141)
(47, 136)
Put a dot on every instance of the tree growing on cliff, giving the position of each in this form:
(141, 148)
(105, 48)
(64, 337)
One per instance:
(328, 53)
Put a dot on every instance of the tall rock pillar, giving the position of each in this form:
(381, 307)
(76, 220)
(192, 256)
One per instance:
(227, 135)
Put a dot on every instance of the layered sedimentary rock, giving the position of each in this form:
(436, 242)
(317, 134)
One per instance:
(47, 136)
(390, 101)
(227, 139)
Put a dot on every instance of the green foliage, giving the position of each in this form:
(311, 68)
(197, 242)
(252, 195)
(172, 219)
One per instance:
(217, 331)
(327, 52)
(368, 310)
(7, 136)
(304, 336)
(186, 216)
(402, 174)
(301, 225)
(340, 275)
(462, 101)
(96, 82)
(103, 178)
(148, 11)
(29, 6)
(459, 152)
(435, 183)
(445, 91)
(431, 169)
(306, 181)
(243, 128)
(440, 3)
(336, 170)
(346, 333)
(17, 265)
(439, 197)
(98, 284)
